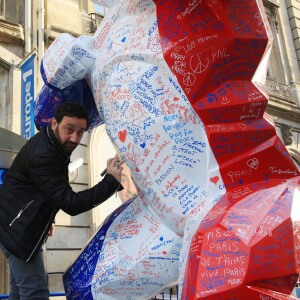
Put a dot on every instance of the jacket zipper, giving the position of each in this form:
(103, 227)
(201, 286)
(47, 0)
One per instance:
(20, 212)
(41, 237)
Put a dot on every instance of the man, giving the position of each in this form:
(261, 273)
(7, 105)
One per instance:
(35, 188)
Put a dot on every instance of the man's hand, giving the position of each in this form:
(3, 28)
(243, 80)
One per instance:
(114, 167)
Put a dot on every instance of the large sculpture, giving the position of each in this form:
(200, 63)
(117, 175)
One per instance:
(179, 85)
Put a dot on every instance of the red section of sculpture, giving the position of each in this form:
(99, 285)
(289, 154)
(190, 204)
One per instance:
(245, 245)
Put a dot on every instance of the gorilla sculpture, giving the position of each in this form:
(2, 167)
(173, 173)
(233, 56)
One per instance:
(179, 86)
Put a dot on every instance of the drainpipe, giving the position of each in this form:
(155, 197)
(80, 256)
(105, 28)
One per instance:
(27, 27)
(41, 43)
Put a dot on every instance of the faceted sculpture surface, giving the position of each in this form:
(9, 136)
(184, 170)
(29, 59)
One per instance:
(179, 86)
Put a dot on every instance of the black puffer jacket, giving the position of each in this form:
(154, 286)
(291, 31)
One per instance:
(35, 188)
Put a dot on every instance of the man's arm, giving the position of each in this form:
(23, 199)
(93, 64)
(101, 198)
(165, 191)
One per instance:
(48, 175)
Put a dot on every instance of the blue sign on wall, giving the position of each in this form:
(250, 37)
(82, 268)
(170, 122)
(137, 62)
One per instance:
(2, 175)
(27, 95)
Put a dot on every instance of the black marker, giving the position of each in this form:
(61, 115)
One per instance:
(103, 172)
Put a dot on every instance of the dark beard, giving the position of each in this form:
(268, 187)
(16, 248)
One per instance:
(68, 147)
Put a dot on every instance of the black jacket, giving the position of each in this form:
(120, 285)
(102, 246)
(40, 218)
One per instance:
(35, 188)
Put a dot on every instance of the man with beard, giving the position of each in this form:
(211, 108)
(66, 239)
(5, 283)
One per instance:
(35, 188)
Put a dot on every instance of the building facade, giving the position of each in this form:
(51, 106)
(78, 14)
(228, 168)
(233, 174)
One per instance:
(283, 76)
(28, 27)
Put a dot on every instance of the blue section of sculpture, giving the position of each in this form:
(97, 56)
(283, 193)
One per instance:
(49, 98)
(87, 260)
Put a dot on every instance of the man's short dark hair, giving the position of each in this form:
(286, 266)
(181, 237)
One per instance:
(70, 109)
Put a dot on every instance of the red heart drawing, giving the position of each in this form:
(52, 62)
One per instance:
(214, 179)
(176, 99)
(164, 252)
(122, 135)
(137, 169)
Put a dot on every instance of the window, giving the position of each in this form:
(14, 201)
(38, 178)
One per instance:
(275, 69)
